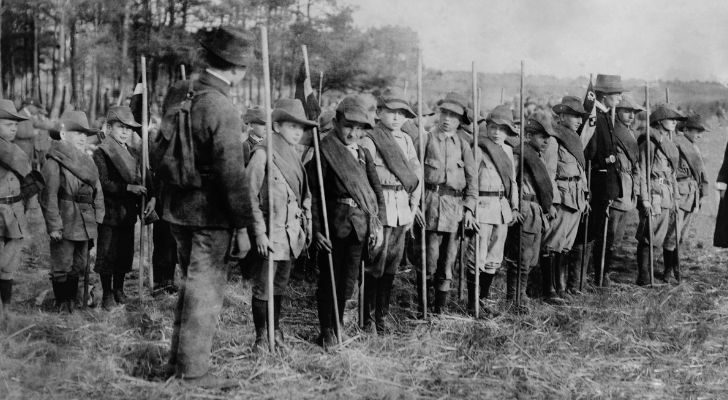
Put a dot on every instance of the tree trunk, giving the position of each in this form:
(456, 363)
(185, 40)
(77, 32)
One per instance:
(75, 95)
(93, 106)
(2, 85)
(36, 65)
(58, 83)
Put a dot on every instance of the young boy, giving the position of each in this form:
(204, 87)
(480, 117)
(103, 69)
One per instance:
(254, 119)
(497, 200)
(72, 204)
(120, 175)
(660, 201)
(290, 233)
(395, 158)
(451, 191)
(354, 201)
(692, 185)
(537, 196)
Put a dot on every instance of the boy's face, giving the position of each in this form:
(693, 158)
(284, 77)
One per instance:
(120, 132)
(449, 121)
(669, 124)
(290, 131)
(497, 133)
(570, 121)
(626, 116)
(8, 129)
(539, 141)
(391, 119)
(258, 130)
(693, 134)
(349, 132)
(76, 139)
(612, 99)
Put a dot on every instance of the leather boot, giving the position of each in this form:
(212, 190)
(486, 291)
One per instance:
(547, 281)
(440, 305)
(384, 293)
(371, 288)
(278, 332)
(676, 267)
(6, 293)
(107, 297)
(486, 281)
(643, 265)
(58, 294)
(472, 296)
(260, 313)
(573, 264)
(119, 295)
(71, 292)
(559, 271)
(511, 280)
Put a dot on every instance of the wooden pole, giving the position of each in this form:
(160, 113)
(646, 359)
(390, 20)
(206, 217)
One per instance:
(321, 87)
(145, 161)
(586, 218)
(423, 233)
(269, 172)
(183, 72)
(648, 174)
(324, 212)
(142, 242)
(520, 194)
(476, 237)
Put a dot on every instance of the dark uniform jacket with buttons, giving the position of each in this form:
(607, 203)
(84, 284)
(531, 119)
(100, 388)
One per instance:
(602, 151)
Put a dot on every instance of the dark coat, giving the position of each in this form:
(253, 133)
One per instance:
(216, 128)
(605, 179)
(720, 237)
(121, 206)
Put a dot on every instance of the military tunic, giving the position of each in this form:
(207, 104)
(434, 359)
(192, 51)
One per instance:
(14, 232)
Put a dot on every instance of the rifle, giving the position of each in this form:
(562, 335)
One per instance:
(476, 237)
(423, 233)
(648, 174)
(324, 213)
(269, 172)
(520, 194)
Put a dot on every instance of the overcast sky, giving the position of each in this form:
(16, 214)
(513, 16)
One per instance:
(646, 39)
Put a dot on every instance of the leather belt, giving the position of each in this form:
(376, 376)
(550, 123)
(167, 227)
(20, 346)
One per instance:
(569, 178)
(395, 188)
(496, 193)
(684, 178)
(348, 201)
(82, 198)
(10, 199)
(442, 189)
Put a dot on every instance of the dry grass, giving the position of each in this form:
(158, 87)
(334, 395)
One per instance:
(624, 342)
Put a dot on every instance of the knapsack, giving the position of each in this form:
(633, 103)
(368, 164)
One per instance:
(172, 151)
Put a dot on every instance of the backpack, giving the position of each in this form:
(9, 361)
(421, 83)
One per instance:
(172, 151)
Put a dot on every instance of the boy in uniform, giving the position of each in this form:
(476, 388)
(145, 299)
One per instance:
(355, 207)
(254, 118)
(290, 233)
(72, 204)
(497, 201)
(395, 158)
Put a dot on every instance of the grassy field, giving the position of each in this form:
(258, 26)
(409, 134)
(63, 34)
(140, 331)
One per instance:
(668, 342)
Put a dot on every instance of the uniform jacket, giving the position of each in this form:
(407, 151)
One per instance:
(291, 223)
(218, 156)
(663, 182)
(248, 145)
(13, 224)
(691, 189)
(449, 163)
(69, 204)
(605, 181)
(628, 173)
(568, 175)
(495, 210)
(342, 217)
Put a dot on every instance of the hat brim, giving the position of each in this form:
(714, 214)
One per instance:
(455, 109)
(359, 117)
(5, 114)
(509, 124)
(74, 127)
(130, 124)
(283, 116)
(632, 107)
(399, 105)
(564, 109)
(237, 60)
(610, 89)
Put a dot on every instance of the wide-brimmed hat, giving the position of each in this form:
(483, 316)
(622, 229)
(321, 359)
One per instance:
(326, 121)
(72, 121)
(393, 98)
(628, 103)
(694, 121)
(470, 113)
(8, 111)
(426, 110)
(228, 43)
(455, 103)
(540, 121)
(33, 106)
(666, 111)
(291, 110)
(254, 115)
(570, 105)
(121, 114)
(503, 115)
(608, 84)
(356, 108)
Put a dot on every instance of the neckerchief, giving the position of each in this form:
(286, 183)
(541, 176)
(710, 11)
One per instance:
(14, 159)
(75, 161)
(571, 141)
(351, 173)
(394, 157)
(500, 159)
(627, 141)
(288, 162)
(123, 160)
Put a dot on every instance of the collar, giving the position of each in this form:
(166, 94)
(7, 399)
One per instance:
(255, 138)
(218, 76)
(209, 78)
(442, 135)
(398, 134)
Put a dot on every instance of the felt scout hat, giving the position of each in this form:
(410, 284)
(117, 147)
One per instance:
(73, 121)
(33, 106)
(8, 111)
(570, 105)
(355, 108)
(503, 115)
(628, 103)
(228, 43)
(326, 121)
(455, 103)
(666, 111)
(121, 114)
(393, 98)
(254, 115)
(291, 110)
(608, 84)
(694, 121)
(540, 122)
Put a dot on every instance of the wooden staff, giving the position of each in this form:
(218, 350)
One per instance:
(183, 72)
(476, 237)
(324, 213)
(588, 210)
(269, 172)
(520, 194)
(321, 87)
(461, 265)
(676, 208)
(362, 298)
(121, 97)
(145, 166)
(423, 233)
(406, 86)
(648, 177)
(142, 242)
(502, 93)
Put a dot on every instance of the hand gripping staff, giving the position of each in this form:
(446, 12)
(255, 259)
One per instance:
(324, 213)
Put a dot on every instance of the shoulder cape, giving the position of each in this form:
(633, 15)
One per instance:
(690, 154)
(571, 141)
(502, 163)
(537, 169)
(627, 141)
(394, 157)
(75, 161)
(288, 162)
(14, 158)
(666, 146)
(123, 160)
(352, 175)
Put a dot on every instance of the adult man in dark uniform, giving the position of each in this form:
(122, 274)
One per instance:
(602, 151)
(201, 217)
(355, 205)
